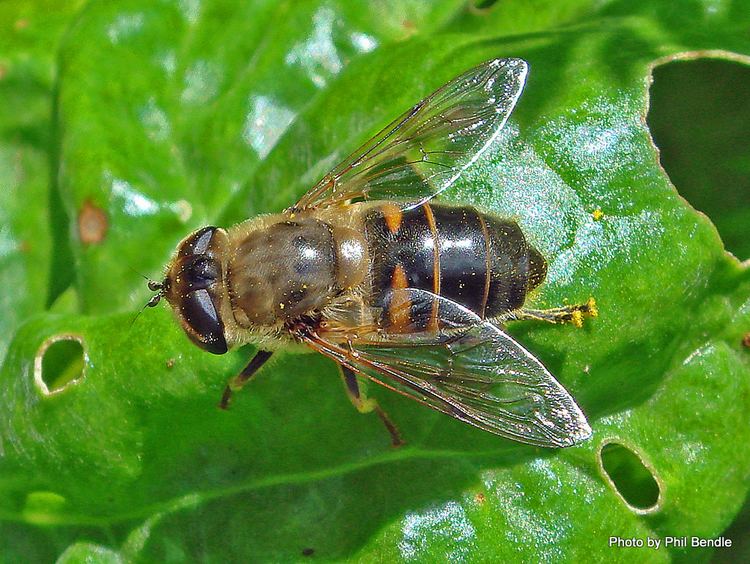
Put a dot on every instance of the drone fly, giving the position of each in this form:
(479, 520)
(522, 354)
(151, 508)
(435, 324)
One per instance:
(370, 271)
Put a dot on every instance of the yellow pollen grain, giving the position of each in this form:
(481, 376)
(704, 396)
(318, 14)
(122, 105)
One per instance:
(576, 318)
(597, 214)
(593, 309)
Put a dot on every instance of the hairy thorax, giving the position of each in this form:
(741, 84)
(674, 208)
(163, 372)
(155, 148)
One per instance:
(286, 268)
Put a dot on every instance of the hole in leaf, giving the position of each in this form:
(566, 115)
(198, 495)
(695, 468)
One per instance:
(59, 363)
(737, 531)
(482, 4)
(699, 118)
(630, 477)
(43, 508)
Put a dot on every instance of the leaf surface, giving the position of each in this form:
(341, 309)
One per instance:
(173, 115)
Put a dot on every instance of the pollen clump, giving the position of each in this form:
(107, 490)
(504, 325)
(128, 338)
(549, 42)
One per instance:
(597, 214)
(593, 310)
(576, 318)
(589, 309)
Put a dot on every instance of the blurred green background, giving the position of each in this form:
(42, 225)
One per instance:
(125, 125)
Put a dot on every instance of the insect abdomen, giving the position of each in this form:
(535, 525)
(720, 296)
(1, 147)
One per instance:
(477, 260)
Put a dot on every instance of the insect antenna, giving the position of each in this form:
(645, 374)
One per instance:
(149, 280)
(154, 286)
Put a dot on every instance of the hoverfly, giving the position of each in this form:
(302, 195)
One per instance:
(367, 270)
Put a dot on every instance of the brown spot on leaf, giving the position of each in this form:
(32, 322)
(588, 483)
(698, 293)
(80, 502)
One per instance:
(409, 28)
(3, 71)
(746, 340)
(21, 24)
(92, 223)
(479, 498)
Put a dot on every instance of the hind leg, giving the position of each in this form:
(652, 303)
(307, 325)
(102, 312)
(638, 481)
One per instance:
(574, 314)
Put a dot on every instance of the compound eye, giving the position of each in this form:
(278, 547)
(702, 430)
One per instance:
(199, 242)
(206, 329)
(200, 272)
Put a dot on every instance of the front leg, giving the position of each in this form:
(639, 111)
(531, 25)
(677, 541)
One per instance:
(366, 405)
(243, 377)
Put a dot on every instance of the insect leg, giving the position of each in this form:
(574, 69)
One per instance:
(366, 405)
(243, 377)
(574, 314)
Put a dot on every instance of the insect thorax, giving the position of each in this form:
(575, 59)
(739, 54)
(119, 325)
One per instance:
(291, 268)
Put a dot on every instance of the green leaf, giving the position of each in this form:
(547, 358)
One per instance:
(173, 115)
(28, 38)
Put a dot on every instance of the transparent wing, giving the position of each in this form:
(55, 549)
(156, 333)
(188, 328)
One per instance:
(471, 370)
(425, 150)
